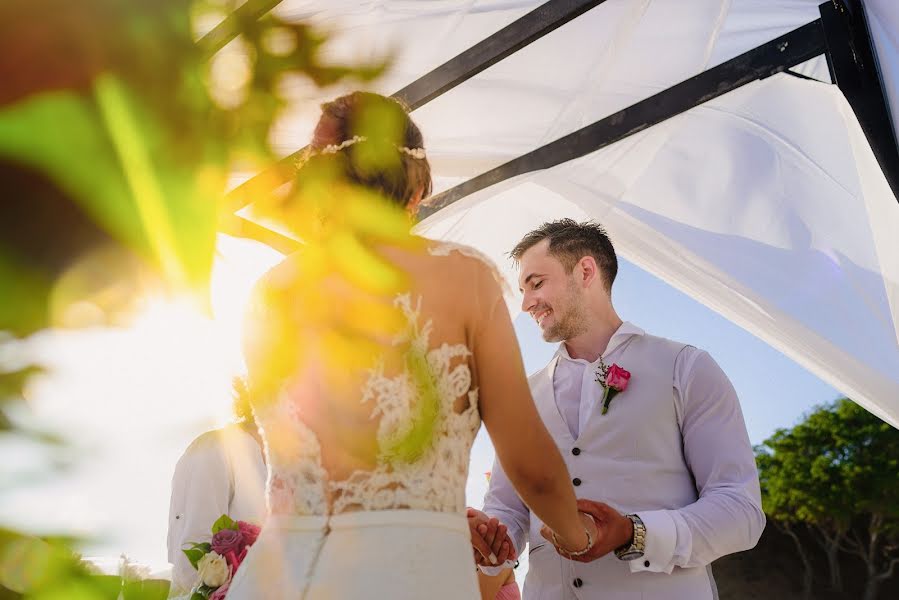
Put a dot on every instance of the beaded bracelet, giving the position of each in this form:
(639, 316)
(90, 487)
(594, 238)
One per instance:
(578, 552)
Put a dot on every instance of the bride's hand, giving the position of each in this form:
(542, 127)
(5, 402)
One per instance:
(589, 527)
(489, 539)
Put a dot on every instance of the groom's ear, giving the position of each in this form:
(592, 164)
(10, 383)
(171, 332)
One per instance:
(587, 272)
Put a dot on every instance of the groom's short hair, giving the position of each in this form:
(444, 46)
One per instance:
(570, 241)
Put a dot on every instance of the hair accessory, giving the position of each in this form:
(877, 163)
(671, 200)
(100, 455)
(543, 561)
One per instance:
(416, 153)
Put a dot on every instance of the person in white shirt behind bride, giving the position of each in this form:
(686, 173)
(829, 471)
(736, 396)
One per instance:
(222, 472)
(651, 431)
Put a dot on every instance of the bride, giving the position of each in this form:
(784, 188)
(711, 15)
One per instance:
(366, 487)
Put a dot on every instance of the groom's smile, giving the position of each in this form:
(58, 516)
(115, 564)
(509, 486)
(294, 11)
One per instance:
(541, 315)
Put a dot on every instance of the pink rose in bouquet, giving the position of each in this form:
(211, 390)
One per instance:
(249, 532)
(617, 378)
(228, 540)
(235, 559)
(221, 592)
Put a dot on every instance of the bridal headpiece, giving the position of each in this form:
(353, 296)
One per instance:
(416, 153)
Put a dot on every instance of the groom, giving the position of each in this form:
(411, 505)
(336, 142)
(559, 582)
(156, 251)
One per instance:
(665, 467)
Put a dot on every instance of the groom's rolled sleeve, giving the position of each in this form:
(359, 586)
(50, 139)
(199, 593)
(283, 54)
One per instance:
(503, 503)
(727, 517)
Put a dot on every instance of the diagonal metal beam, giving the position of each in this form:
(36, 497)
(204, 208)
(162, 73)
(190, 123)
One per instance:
(775, 56)
(228, 29)
(238, 226)
(544, 19)
(853, 67)
(531, 27)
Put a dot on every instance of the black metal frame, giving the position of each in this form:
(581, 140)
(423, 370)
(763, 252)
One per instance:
(768, 59)
(841, 34)
(510, 39)
(851, 57)
(227, 30)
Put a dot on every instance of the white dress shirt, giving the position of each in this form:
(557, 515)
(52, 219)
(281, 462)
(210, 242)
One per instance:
(688, 525)
(221, 472)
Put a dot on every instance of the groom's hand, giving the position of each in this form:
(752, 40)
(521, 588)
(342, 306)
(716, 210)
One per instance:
(613, 530)
(489, 539)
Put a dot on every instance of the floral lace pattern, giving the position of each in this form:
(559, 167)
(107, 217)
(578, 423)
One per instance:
(298, 483)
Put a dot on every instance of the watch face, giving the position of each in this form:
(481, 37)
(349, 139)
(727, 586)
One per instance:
(630, 555)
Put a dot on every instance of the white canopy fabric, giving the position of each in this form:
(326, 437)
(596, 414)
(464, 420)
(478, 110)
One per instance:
(766, 204)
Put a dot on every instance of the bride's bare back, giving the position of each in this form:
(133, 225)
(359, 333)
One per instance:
(369, 440)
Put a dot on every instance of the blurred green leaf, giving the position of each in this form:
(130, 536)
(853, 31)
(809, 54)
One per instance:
(224, 522)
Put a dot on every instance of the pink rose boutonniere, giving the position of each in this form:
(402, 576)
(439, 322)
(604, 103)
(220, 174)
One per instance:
(613, 379)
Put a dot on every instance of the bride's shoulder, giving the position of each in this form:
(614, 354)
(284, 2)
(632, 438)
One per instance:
(482, 263)
(443, 248)
(279, 277)
(283, 273)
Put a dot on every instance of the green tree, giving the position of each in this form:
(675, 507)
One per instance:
(836, 475)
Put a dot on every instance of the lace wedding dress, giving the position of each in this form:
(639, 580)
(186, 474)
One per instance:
(396, 530)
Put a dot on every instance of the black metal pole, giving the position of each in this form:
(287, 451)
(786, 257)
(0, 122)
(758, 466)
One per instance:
(507, 41)
(531, 27)
(770, 58)
(853, 67)
(227, 30)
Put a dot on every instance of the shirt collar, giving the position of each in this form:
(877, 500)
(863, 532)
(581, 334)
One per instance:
(624, 332)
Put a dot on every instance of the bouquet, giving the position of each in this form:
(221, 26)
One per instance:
(218, 560)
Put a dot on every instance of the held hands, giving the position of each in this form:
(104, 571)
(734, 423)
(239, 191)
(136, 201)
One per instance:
(489, 539)
(570, 548)
(612, 530)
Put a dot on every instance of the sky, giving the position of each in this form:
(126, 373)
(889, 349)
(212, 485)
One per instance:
(131, 401)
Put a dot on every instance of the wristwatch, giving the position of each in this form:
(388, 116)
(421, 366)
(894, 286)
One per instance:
(637, 546)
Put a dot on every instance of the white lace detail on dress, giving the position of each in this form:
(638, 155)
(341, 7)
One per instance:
(296, 477)
(436, 480)
(299, 485)
(442, 248)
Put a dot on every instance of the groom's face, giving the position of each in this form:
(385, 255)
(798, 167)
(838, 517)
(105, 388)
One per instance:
(551, 294)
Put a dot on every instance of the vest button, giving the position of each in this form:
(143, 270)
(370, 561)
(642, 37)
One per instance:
(646, 563)
(576, 481)
(575, 451)
(577, 582)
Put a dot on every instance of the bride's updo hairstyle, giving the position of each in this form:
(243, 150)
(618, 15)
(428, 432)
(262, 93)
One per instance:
(372, 142)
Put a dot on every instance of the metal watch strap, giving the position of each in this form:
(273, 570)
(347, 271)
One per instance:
(637, 546)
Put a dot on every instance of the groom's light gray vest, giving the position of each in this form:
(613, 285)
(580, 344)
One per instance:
(631, 458)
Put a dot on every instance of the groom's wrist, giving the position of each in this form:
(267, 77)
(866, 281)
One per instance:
(635, 547)
(626, 538)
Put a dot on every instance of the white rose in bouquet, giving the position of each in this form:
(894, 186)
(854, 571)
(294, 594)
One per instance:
(213, 570)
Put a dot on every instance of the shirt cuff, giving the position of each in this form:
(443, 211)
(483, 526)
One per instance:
(661, 539)
(493, 571)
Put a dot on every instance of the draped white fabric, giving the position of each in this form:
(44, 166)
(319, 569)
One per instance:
(766, 204)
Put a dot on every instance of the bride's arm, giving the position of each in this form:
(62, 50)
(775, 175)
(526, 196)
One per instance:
(528, 454)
